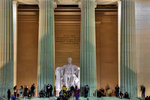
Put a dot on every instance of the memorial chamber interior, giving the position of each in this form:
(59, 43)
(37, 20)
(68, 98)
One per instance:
(67, 41)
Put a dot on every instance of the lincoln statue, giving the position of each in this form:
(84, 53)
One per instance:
(68, 75)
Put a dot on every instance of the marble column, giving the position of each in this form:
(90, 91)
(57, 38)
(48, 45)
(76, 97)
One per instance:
(46, 44)
(6, 46)
(128, 71)
(88, 45)
(15, 7)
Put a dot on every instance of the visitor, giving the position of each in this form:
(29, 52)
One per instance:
(42, 94)
(100, 93)
(33, 90)
(51, 90)
(77, 93)
(30, 94)
(13, 97)
(107, 87)
(25, 93)
(117, 90)
(126, 95)
(54, 91)
(109, 92)
(47, 90)
(15, 91)
(61, 93)
(8, 94)
(64, 88)
(143, 91)
(121, 95)
(21, 91)
(18, 95)
(72, 89)
(86, 91)
(146, 98)
(68, 94)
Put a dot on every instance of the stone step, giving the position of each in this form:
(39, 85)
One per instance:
(82, 98)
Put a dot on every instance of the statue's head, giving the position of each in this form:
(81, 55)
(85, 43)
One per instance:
(69, 60)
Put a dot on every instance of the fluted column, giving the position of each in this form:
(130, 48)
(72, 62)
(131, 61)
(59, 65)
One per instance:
(46, 44)
(15, 8)
(88, 45)
(128, 73)
(6, 46)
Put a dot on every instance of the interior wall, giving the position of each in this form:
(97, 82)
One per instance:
(27, 45)
(67, 37)
(107, 47)
(142, 43)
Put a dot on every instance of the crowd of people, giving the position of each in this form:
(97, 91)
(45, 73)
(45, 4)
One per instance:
(47, 91)
(21, 92)
(65, 93)
(108, 92)
(147, 98)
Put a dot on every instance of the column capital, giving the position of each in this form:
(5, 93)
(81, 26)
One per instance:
(15, 2)
(54, 4)
(80, 3)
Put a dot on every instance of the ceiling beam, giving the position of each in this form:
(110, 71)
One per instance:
(68, 2)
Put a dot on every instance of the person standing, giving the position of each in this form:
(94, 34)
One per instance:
(8, 94)
(121, 95)
(13, 97)
(143, 91)
(48, 90)
(33, 90)
(51, 90)
(54, 91)
(77, 92)
(25, 93)
(86, 91)
(21, 91)
(117, 90)
(15, 91)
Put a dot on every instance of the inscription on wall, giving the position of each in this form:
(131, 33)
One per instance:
(68, 39)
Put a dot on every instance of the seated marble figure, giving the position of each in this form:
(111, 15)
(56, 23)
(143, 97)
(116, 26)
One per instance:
(68, 75)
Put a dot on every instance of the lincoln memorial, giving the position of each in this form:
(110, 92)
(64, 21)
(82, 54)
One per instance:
(97, 43)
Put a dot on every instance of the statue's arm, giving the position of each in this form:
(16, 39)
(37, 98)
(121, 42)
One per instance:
(57, 70)
(77, 68)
